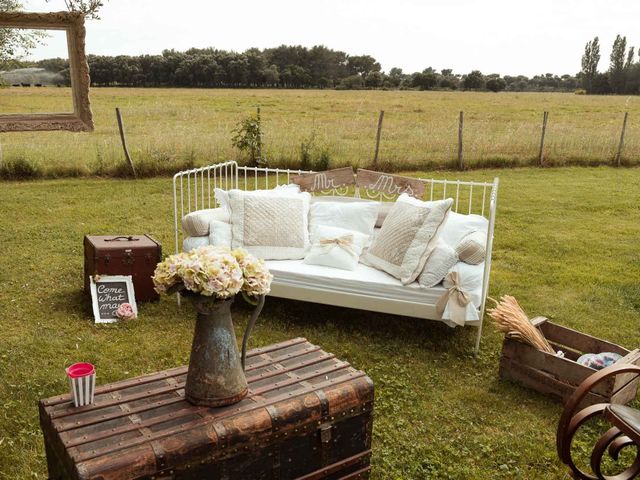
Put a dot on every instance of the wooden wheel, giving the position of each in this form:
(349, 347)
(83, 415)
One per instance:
(623, 433)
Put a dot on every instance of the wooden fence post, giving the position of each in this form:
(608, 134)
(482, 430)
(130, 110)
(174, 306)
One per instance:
(124, 142)
(621, 144)
(460, 130)
(378, 133)
(259, 135)
(545, 118)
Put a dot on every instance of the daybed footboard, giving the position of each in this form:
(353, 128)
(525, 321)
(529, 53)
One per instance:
(193, 190)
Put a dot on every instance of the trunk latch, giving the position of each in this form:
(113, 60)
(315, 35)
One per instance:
(325, 433)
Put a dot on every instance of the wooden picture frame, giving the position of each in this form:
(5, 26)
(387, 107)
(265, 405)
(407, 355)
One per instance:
(97, 302)
(81, 119)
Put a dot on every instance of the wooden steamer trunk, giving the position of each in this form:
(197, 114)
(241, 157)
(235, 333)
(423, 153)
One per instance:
(135, 255)
(559, 377)
(308, 416)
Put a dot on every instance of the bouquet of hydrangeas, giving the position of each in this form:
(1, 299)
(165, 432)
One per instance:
(216, 272)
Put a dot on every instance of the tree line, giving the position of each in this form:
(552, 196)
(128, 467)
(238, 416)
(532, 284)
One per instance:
(288, 67)
(623, 74)
(322, 67)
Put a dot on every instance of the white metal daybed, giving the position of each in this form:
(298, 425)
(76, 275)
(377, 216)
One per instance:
(365, 288)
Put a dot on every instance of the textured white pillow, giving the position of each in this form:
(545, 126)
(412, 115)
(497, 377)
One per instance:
(407, 237)
(459, 226)
(196, 224)
(219, 233)
(272, 227)
(356, 216)
(472, 248)
(336, 247)
(190, 243)
(383, 207)
(438, 265)
(222, 196)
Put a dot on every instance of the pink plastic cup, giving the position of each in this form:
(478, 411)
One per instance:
(82, 382)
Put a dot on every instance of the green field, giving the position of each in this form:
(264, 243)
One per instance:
(566, 246)
(172, 128)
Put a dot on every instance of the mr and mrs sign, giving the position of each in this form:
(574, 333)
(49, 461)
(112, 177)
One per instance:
(372, 182)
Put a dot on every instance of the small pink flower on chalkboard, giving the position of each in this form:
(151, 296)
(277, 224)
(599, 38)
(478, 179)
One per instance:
(125, 312)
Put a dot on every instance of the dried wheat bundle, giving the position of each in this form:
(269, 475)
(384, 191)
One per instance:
(511, 319)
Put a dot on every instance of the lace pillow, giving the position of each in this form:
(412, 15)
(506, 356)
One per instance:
(271, 227)
(407, 237)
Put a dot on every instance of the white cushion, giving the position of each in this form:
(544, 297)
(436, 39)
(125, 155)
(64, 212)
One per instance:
(458, 226)
(196, 224)
(190, 243)
(219, 233)
(438, 265)
(335, 247)
(407, 237)
(355, 216)
(383, 207)
(472, 248)
(222, 196)
(270, 226)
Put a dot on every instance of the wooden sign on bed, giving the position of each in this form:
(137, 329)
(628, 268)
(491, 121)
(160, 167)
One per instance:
(389, 184)
(327, 180)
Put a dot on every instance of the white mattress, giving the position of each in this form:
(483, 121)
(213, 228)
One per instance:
(369, 281)
(363, 280)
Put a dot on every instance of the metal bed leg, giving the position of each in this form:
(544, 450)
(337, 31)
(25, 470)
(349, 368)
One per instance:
(476, 349)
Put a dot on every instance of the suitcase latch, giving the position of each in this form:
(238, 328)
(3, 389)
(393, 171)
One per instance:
(128, 257)
(325, 433)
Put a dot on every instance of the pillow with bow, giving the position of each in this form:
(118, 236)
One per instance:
(336, 247)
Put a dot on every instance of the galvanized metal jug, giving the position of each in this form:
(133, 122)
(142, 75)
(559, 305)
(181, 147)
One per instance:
(216, 369)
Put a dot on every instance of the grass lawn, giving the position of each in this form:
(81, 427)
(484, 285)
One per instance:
(170, 128)
(566, 246)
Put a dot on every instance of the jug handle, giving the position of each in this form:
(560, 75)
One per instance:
(252, 321)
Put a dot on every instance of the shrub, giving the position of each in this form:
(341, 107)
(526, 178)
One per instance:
(306, 152)
(323, 161)
(247, 137)
(19, 169)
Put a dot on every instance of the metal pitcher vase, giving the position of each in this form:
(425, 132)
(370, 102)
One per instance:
(216, 369)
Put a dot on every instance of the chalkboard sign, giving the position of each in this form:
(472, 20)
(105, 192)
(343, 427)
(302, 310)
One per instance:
(108, 292)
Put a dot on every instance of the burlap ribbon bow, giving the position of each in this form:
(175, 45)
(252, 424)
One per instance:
(456, 298)
(345, 242)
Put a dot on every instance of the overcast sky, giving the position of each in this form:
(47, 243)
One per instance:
(494, 36)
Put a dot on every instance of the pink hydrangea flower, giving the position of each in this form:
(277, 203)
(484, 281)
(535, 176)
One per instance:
(125, 312)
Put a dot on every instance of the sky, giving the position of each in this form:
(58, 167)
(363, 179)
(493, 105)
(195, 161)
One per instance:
(509, 37)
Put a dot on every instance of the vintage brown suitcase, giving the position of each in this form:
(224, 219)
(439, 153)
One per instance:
(135, 255)
(308, 416)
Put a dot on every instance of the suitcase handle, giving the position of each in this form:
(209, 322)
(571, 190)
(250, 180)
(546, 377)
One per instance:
(119, 239)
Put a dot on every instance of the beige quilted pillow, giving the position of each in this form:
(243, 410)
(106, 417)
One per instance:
(471, 248)
(407, 237)
(269, 226)
(196, 224)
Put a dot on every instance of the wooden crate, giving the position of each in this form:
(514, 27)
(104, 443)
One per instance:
(308, 416)
(558, 376)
